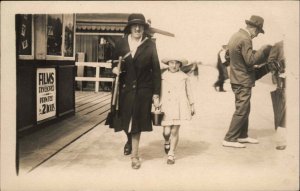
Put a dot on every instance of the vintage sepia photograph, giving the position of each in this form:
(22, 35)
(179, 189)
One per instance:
(149, 95)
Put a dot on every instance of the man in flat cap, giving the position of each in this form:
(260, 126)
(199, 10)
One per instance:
(242, 78)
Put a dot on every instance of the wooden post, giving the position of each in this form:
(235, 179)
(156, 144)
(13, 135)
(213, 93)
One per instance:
(97, 76)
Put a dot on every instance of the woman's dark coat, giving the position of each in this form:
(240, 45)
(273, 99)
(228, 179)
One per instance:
(139, 80)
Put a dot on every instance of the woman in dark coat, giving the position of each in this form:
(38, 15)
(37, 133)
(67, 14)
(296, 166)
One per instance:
(140, 81)
(277, 58)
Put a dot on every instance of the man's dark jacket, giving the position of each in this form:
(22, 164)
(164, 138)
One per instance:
(243, 58)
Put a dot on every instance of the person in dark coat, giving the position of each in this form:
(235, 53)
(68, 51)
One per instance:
(277, 58)
(223, 62)
(140, 83)
(242, 78)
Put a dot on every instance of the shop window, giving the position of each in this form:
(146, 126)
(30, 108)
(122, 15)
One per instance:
(25, 36)
(69, 36)
(54, 35)
(60, 37)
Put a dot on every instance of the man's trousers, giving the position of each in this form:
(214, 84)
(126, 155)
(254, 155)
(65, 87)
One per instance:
(240, 119)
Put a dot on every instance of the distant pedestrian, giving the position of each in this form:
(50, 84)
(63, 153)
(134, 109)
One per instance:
(176, 102)
(242, 79)
(140, 83)
(222, 63)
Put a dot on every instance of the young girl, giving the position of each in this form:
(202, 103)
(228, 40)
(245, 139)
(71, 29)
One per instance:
(176, 102)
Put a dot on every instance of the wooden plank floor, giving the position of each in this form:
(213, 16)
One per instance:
(91, 110)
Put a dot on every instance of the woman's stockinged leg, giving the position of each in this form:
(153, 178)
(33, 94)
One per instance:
(174, 139)
(128, 137)
(135, 144)
(135, 161)
(128, 147)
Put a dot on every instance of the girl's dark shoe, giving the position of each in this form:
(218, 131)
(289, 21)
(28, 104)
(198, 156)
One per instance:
(135, 163)
(127, 149)
(167, 147)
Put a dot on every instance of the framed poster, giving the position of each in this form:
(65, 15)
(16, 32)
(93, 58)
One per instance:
(46, 93)
(54, 35)
(25, 36)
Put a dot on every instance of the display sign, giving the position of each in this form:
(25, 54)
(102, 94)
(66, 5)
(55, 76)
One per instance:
(46, 93)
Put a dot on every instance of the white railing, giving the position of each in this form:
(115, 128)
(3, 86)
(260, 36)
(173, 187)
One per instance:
(97, 78)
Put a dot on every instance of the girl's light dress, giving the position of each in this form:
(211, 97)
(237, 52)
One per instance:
(176, 97)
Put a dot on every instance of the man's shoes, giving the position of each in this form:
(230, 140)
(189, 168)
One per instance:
(233, 144)
(281, 147)
(127, 149)
(222, 90)
(135, 163)
(248, 140)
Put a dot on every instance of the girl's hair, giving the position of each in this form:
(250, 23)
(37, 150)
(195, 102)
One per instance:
(176, 62)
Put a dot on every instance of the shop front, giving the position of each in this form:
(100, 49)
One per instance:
(48, 48)
(45, 68)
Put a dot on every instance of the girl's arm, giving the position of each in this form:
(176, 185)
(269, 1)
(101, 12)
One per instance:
(190, 96)
(189, 92)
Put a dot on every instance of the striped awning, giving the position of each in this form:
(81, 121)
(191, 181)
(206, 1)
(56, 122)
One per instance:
(106, 22)
(109, 27)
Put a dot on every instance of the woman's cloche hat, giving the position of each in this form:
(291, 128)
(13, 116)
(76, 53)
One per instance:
(136, 18)
(257, 22)
(184, 62)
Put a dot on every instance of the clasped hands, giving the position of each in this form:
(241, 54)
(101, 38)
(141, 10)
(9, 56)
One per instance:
(275, 67)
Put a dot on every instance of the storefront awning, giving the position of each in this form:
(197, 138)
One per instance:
(100, 27)
(106, 22)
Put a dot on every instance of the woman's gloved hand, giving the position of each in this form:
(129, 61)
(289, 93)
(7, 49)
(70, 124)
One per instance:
(116, 71)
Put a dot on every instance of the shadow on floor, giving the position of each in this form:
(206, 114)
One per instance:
(184, 149)
(262, 132)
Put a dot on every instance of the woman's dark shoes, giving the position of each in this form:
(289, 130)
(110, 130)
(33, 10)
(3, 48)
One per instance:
(135, 163)
(127, 149)
(281, 147)
(167, 147)
(222, 90)
(171, 159)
